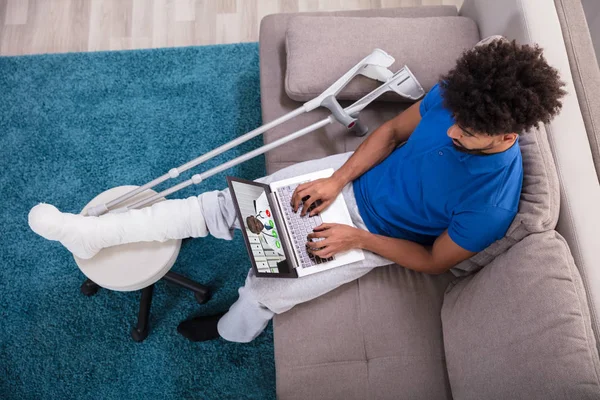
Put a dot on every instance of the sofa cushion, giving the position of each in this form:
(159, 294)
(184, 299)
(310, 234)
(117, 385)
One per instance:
(520, 328)
(378, 337)
(539, 205)
(333, 138)
(321, 49)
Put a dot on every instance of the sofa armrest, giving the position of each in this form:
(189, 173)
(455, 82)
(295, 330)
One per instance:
(579, 219)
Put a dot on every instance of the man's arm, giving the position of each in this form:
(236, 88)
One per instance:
(379, 144)
(437, 259)
(372, 151)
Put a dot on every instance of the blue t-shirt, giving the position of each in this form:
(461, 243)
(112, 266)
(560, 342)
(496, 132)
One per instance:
(427, 186)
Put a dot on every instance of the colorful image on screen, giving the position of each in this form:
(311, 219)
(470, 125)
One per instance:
(257, 219)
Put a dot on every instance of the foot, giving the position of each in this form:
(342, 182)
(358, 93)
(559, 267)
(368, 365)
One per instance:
(200, 329)
(72, 231)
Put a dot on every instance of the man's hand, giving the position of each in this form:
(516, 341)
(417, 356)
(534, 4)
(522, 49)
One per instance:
(337, 239)
(325, 189)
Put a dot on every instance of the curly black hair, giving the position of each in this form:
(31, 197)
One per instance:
(502, 87)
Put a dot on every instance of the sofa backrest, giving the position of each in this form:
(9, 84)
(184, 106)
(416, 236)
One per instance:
(331, 139)
(579, 219)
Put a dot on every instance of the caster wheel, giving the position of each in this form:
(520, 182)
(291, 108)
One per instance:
(137, 335)
(89, 288)
(202, 298)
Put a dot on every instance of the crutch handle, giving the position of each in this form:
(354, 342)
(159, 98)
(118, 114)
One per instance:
(341, 116)
(359, 128)
(351, 122)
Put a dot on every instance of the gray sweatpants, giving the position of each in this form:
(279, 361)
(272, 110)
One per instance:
(261, 298)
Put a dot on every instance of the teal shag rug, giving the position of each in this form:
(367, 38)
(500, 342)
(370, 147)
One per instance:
(74, 125)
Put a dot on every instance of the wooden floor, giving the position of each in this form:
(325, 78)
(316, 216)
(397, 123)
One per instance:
(56, 26)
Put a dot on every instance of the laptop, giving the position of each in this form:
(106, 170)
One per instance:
(276, 236)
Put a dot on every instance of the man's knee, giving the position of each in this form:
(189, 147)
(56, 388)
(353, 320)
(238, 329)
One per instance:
(219, 213)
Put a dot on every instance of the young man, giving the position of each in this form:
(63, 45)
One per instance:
(450, 190)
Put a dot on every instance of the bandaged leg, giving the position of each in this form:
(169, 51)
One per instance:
(86, 236)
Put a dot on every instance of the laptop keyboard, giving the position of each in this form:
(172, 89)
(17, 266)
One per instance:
(300, 227)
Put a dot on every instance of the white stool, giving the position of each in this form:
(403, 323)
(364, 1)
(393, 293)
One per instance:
(135, 266)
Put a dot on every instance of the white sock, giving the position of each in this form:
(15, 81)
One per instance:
(86, 236)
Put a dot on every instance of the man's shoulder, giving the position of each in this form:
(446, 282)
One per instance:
(497, 192)
(432, 101)
(502, 195)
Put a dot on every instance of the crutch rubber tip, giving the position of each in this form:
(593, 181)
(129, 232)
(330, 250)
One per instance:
(97, 210)
(360, 129)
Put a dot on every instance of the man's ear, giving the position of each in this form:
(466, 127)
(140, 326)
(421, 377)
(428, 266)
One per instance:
(510, 137)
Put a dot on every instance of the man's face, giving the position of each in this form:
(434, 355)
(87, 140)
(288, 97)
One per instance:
(471, 142)
(254, 224)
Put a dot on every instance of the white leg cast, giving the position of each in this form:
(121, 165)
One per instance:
(86, 236)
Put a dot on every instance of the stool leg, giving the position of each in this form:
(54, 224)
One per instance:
(140, 332)
(89, 288)
(201, 292)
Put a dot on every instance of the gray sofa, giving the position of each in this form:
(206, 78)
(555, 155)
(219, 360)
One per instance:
(518, 320)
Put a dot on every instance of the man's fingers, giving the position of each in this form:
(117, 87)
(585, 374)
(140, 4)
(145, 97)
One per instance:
(319, 209)
(300, 188)
(320, 234)
(294, 199)
(318, 244)
(315, 246)
(297, 199)
(323, 226)
(306, 203)
(324, 253)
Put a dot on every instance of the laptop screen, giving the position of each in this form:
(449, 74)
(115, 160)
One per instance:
(260, 228)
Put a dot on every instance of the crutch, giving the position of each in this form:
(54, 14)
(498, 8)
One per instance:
(374, 66)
